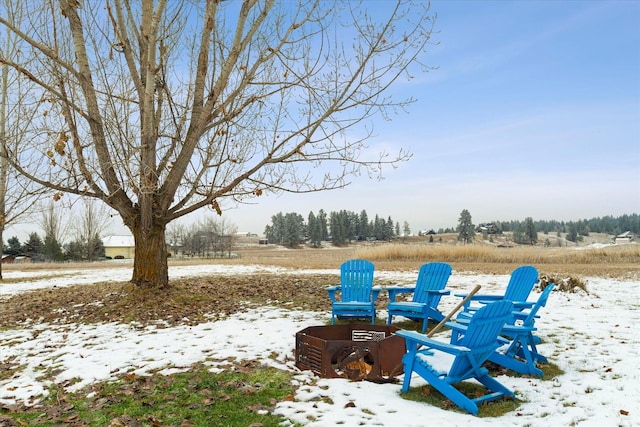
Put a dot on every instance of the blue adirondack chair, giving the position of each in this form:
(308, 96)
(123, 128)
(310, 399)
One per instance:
(518, 289)
(429, 288)
(358, 295)
(520, 353)
(477, 342)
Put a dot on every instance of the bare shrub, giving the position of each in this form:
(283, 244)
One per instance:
(567, 284)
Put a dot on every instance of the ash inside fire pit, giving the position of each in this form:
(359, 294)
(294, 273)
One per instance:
(350, 351)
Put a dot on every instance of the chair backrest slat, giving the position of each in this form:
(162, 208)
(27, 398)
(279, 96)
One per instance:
(542, 301)
(432, 276)
(521, 283)
(356, 280)
(481, 334)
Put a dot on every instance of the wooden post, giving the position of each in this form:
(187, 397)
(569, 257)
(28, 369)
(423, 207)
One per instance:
(454, 311)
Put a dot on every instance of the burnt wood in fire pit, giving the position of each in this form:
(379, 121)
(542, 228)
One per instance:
(350, 351)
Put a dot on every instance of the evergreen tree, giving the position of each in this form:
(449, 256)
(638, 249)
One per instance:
(364, 231)
(293, 229)
(337, 231)
(52, 250)
(530, 232)
(315, 230)
(348, 225)
(583, 228)
(275, 232)
(94, 248)
(378, 227)
(572, 234)
(466, 229)
(33, 247)
(75, 250)
(388, 229)
(324, 226)
(518, 235)
(14, 247)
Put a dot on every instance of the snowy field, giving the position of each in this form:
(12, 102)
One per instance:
(592, 337)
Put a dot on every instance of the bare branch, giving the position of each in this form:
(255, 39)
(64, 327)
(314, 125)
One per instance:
(165, 107)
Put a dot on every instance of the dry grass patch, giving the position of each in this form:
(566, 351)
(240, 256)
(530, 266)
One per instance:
(611, 261)
(621, 254)
(185, 301)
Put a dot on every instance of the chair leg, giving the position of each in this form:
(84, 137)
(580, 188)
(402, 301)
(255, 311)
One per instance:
(519, 357)
(407, 378)
(513, 364)
(495, 386)
(449, 391)
(537, 357)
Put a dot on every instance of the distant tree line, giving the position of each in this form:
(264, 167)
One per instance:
(86, 227)
(339, 227)
(50, 250)
(575, 230)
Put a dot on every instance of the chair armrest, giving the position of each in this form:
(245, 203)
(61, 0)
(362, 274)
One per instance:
(485, 299)
(477, 297)
(512, 330)
(458, 326)
(438, 291)
(482, 299)
(520, 305)
(421, 339)
(523, 315)
(331, 290)
(375, 291)
(395, 290)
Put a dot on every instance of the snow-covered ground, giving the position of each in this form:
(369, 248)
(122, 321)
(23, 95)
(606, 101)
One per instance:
(592, 337)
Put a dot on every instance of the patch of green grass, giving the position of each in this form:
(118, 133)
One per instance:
(429, 395)
(550, 371)
(241, 397)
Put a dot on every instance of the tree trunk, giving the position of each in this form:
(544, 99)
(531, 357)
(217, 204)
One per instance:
(1, 242)
(150, 267)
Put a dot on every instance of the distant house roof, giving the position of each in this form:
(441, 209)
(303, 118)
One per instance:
(118, 242)
(626, 237)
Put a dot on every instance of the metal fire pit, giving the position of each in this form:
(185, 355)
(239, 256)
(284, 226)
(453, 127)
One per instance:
(350, 351)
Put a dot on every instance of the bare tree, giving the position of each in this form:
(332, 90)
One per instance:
(176, 233)
(160, 108)
(93, 221)
(222, 234)
(17, 194)
(54, 223)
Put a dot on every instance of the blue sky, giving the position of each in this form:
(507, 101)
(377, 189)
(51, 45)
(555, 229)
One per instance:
(534, 110)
